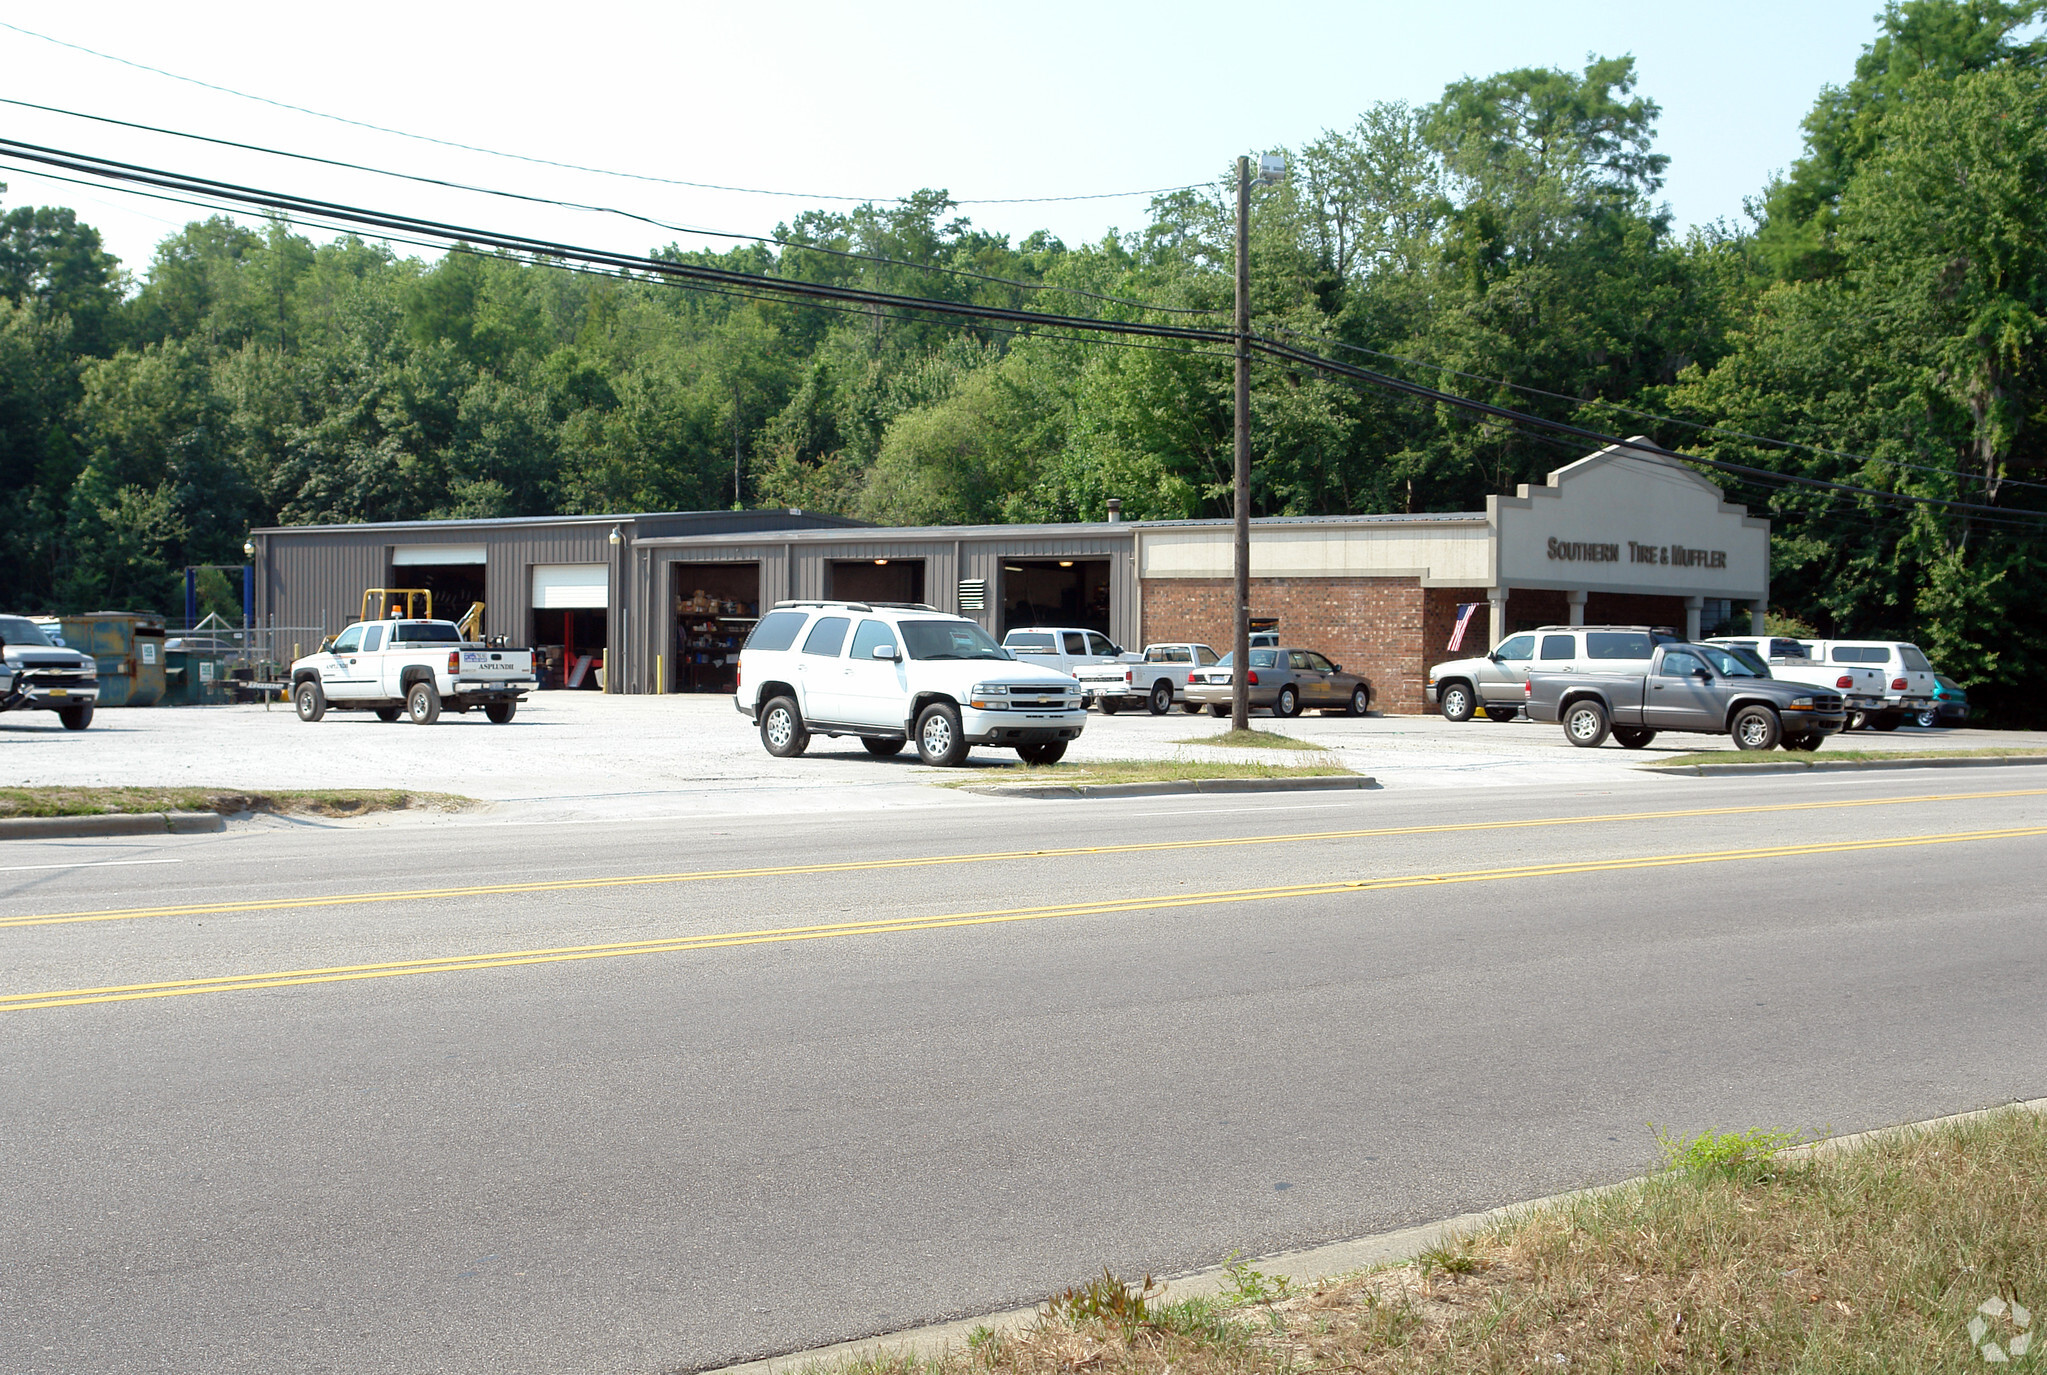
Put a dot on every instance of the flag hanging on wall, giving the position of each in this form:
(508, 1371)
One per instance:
(1464, 613)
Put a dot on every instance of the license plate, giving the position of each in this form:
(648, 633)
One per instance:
(60, 692)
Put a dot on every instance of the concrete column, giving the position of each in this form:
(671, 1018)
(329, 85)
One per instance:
(1693, 607)
(1576, 601)
(1758, 613)
(1497, 631)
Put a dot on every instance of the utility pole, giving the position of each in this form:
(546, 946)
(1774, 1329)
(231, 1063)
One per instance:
(1271, 171)
(1240, 644)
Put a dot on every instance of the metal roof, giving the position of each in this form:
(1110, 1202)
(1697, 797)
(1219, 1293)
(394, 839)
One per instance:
(507, 522)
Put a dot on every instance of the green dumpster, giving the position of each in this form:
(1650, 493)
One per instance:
(196, 678)
(128, 648)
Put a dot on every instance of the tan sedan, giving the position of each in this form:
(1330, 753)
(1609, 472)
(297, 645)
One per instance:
(1285, 682)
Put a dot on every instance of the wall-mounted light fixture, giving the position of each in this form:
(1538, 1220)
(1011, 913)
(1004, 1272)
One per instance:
(880, 562)
(1066, 563)
(616, 538)
(249, 548)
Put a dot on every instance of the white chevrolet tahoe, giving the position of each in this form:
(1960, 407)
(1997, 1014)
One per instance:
(413, 668)
(894, 673)
(38, 674)
(1156, 681)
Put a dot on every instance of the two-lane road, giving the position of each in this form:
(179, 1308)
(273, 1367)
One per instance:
(635, 1097)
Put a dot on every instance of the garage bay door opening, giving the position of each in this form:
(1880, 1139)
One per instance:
(1065, 592)
(571, 623)
(453, 573)
(878, 580)
(715, 605)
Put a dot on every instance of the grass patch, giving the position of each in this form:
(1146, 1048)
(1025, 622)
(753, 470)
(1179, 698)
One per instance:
(1253, 740)
(1910, 1253)
(1138, 771)
(1780, 756)
(227, 801)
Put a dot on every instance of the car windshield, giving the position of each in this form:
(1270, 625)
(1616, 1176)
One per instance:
(949, 640)
(1260, 658)
(1732, 663)
(17, 631)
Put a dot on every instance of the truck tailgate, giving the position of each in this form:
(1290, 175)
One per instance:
(492, 665)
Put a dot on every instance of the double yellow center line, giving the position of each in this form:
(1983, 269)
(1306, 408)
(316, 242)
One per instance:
(453, 964)
(565, 885)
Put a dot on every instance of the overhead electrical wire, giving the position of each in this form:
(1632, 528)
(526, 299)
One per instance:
(1700, 426)
(610, 210)
(1640, 449)
(567, 166)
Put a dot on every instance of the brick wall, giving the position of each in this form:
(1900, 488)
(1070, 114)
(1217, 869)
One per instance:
(1377, 627)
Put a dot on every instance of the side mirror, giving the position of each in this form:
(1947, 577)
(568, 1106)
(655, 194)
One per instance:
(1704, 675)
(1336, 668)
(885, 652)
(328, 643)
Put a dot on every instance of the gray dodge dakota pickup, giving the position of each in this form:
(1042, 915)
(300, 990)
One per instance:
(1689, 687)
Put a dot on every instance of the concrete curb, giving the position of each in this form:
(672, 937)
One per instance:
(115, 824)
(1316, 783)
(1842, 765)
(1336, 1258)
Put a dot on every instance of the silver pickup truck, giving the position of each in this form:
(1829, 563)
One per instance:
(1689, 687)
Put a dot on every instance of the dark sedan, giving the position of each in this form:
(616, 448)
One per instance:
(1285, 682)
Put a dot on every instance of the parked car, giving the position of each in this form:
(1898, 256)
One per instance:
(1908, 685)
(1862, 687)
(1688, 687)
(1491, 682)
(1064, 649)
(1157, 680)
(891, 675)
(36, 675)
(1950, 704)
(411, 668)
(1284, 681)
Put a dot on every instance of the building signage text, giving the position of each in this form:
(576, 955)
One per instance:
(1582, 551)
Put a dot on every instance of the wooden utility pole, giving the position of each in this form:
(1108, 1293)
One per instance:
(1240, 651)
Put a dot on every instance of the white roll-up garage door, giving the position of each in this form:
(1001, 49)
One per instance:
(435, 555)
(570, 586)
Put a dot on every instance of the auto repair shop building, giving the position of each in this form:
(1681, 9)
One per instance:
(1620, 536)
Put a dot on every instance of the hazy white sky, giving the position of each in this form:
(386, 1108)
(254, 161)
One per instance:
(860, 100)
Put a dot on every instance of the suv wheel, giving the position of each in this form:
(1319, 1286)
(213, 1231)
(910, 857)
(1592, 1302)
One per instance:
(1889, 720)
(1218, 709)
(77, 717)
(423, 704)
(1585, 724)
(1191, 708)
(1633, 737)
(500, 712)
(1288, 703)
(1501, 713)
(1161, 697)
(1756, 728)
(940, 741)
(1457, 701)
(1109, 705)
(1049, 753)
(882, 749)
(782, 731)
(389, 713)
(309, 701)
(1806, 743)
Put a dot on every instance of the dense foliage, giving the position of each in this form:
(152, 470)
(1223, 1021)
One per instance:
(1883, 312)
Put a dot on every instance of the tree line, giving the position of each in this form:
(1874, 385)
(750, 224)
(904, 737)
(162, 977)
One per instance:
(1877, 313)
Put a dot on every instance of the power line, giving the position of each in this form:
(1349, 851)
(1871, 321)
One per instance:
(1688, 424)
(606, 210)
(290, 204)
(568, 166)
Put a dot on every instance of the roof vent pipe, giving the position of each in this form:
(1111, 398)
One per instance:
(1115, 510)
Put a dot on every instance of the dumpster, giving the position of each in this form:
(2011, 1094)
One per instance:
(196, 678)
(128, 648)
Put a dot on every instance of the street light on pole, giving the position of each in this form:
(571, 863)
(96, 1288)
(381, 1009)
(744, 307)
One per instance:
(1271, 172)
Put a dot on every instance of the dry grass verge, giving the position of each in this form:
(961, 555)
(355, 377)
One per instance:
(1735, 1258)
(1253, 740)
(1136, 771)
(227, 801)
(1823, 754)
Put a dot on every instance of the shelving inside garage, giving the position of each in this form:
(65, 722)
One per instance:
(715, 607)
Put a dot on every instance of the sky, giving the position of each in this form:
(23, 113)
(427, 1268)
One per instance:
(868, 101)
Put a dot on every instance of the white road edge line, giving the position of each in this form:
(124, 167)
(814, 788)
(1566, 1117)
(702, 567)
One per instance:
(85, 864)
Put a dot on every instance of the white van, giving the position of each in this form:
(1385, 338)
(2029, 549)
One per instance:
(1908, 677)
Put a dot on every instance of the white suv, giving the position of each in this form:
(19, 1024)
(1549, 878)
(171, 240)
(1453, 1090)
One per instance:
(891, 673)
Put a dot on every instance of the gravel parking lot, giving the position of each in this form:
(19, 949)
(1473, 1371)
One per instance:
(590, 755)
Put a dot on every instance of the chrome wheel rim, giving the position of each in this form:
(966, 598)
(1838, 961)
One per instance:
(937, 735)
(1454, 702)
(780, 728)
(1753, 733)
(1359, 703)
(1584, 725)
(1286, 702)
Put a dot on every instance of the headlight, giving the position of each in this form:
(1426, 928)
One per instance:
(989, 690)
(988, 697)
(1801, 704)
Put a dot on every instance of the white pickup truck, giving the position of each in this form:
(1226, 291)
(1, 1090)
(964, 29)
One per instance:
(1158, 679)
(1063, 649)
(410, 667)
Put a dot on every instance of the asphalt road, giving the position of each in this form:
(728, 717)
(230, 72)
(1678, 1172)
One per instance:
(664, 1096)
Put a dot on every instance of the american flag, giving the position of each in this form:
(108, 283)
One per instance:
(1464, 612)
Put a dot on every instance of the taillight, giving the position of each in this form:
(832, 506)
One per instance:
(454, 661)
(1527, 687)
(1129, 675)
(1252, 677)
(1898, 685)
(1844, 681)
